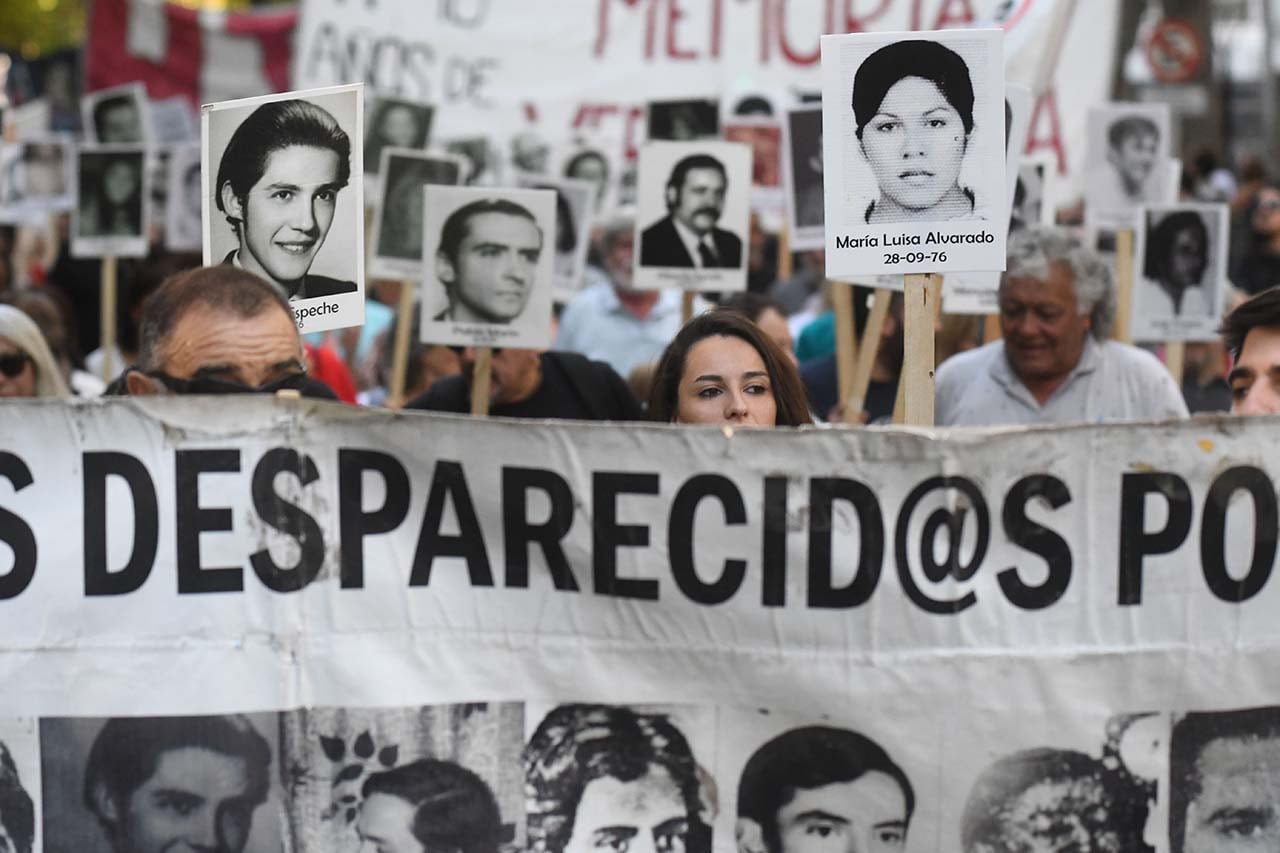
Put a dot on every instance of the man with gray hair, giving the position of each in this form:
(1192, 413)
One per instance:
(1055, 363)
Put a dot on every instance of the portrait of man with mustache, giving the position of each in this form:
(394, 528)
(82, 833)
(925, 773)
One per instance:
(687, 236)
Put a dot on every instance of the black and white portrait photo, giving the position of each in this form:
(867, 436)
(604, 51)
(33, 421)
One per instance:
(1126, 162)
(116, 116)
(692, 216)
(1033, 193)
(36, 178)
(477, 152)
(415, 779)
(607, 777)
(284, 197)
(802, 177)
(183, 226)
(1182, 252)
(112, 204)
(394, 123)
(914, 152)
(575, 202)
(529, 152)
(398, 216)
(591, 164)
(156, 784)
(1224, 778)
(19, 786)
(489, 257)
(684, 120)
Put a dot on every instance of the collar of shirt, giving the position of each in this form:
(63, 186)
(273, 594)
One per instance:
(1002, 373)
(692, 241)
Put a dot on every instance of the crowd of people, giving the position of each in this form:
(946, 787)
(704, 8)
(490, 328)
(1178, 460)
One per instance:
(762, 357)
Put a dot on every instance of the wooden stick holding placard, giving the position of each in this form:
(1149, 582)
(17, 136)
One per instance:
(867, 350)
(991, 328)
(784, 254)
(686, 306)
(107, 317)
(846, 346)
(400, 350)
(481, 376)
(1175, 355)
(1124, 283)
(920, 310)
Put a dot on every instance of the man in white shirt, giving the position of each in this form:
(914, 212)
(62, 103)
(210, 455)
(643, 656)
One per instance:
(1055, 363)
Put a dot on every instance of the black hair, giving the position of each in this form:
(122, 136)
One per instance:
(750, 305)
(921, 58)
(17, 812)
(806, 758)
(1155, 261)
(455, 227)
(1188, 740)
(1261, 310)
(272, 127)
(588, 154)
(753, 105)
(577, 744)
(106, 105)
(454, 810)
(1131, 126)
(566, 227)
(688, 164)
(127, 751)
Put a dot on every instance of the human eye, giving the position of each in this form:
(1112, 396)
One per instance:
(887, 125)
(1242, 823)
(709, 392)
(937, 122)
(488, 251)
(178, 802)
(820, 829)
(328, 194)
(612, 841)
(891, 836)
(282, 195)
(758, 388)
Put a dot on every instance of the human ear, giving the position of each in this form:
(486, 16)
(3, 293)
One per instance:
(140, 385)
(749, 835)
(230, 202)
(672, 196)
(104, 804)
(444, 269)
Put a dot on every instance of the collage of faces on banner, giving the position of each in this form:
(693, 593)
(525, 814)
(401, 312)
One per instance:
(575, 778)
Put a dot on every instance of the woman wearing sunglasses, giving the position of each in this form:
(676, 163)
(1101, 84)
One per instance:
(27, 368)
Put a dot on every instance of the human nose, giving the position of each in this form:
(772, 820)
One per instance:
(304, 216)
(203, 832)
(735, 406)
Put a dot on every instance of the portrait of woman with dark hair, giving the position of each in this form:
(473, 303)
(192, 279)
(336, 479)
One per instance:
(1174, 264)
(110, 194)
(394, 124)
(913, 102)
(590, 165)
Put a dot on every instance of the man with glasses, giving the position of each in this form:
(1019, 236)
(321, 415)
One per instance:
(218, 330)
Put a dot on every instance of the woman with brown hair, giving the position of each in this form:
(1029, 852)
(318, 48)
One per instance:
(721, 369)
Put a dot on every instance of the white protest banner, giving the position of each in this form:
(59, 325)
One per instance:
(583, 67)
(965, 617)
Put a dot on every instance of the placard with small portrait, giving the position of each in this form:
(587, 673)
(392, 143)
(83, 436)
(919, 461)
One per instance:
(1126, 163)
(914, 152)
(183, 226)
(394, 123)
(113, 202)
(483, 160)
(284, 197)
(683, 120)
(802, 176)
(1180, 272)
(574, 217)
(597, 160)
(36, 178)
(490, 259)
(120, 115)
(693, 216)
(397, 219)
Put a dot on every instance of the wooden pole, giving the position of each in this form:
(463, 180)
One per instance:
(1175, 353)
(920, 298)
(846, 346)
(1124, 283)
(107, 318)
(867, 351)
(784, 254)
(991, 328)
(400, 352)
(686, 306)
(480, 378)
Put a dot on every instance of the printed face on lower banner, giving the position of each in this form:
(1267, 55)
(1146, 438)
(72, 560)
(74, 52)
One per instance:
(914, 152)
(284, 198)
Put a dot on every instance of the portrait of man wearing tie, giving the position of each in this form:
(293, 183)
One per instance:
(687, 236)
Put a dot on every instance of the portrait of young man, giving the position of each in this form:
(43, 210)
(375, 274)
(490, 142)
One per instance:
(489, 266)
(607, 777)
(1224, 782)
(822, 789)
(287, 189)
(1126, 162)
(689, 236)
(428, 806)
(157, 784)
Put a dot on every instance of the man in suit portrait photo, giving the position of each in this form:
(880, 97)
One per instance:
(687, 236)
(278, 184)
